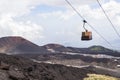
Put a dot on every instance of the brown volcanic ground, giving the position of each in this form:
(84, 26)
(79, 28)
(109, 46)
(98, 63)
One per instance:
(19, 45)
(57, 48)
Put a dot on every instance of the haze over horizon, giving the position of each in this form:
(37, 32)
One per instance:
(54, 21)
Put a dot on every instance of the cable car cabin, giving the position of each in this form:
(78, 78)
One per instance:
(86, 35)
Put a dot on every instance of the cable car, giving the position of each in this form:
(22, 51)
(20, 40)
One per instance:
(86, 35)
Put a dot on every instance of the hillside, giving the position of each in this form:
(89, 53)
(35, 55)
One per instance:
(19, 68)
(56, 48)
(19, 45)
(94, 50)
(99, 49)
(57, 53)
(74, 60)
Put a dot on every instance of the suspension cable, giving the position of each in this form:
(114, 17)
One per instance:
(108, 18)
(89, 24)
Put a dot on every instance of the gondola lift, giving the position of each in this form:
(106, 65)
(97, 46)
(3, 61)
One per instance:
(86, 35)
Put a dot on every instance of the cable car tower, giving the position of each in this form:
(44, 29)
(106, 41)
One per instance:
(86, 35)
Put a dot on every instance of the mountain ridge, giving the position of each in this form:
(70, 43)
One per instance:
(19, 45)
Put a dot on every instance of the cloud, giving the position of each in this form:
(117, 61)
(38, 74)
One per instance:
(29, 30)
(60, 14)
(17, 7)
(9, 26)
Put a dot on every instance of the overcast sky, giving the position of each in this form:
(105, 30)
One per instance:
(54, 21)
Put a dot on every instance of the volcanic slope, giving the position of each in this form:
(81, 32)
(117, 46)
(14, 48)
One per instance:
(19, 45)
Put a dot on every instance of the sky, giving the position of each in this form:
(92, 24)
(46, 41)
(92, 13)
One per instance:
(54, 21)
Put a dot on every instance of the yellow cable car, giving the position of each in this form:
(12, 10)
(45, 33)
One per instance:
(87, 35)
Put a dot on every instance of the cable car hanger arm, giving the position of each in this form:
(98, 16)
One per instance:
(84, 21)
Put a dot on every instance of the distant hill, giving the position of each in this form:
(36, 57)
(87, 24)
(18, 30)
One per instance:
(19, 45)
(99, 49)
(56, 48)
(95, 50)
(15, 44)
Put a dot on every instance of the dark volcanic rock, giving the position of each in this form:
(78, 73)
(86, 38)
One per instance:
(4, 75)
(24, 69)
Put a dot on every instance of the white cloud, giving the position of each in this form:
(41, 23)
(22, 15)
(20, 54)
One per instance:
(60, 14)
(27, 29)
(17, 7)
(10, 26)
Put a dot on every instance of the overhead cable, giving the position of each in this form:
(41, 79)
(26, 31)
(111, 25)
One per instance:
(108, 18)
(88, 23)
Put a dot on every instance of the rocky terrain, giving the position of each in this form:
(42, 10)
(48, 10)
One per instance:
(19, 68)
(74, 60)
(28, 61)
